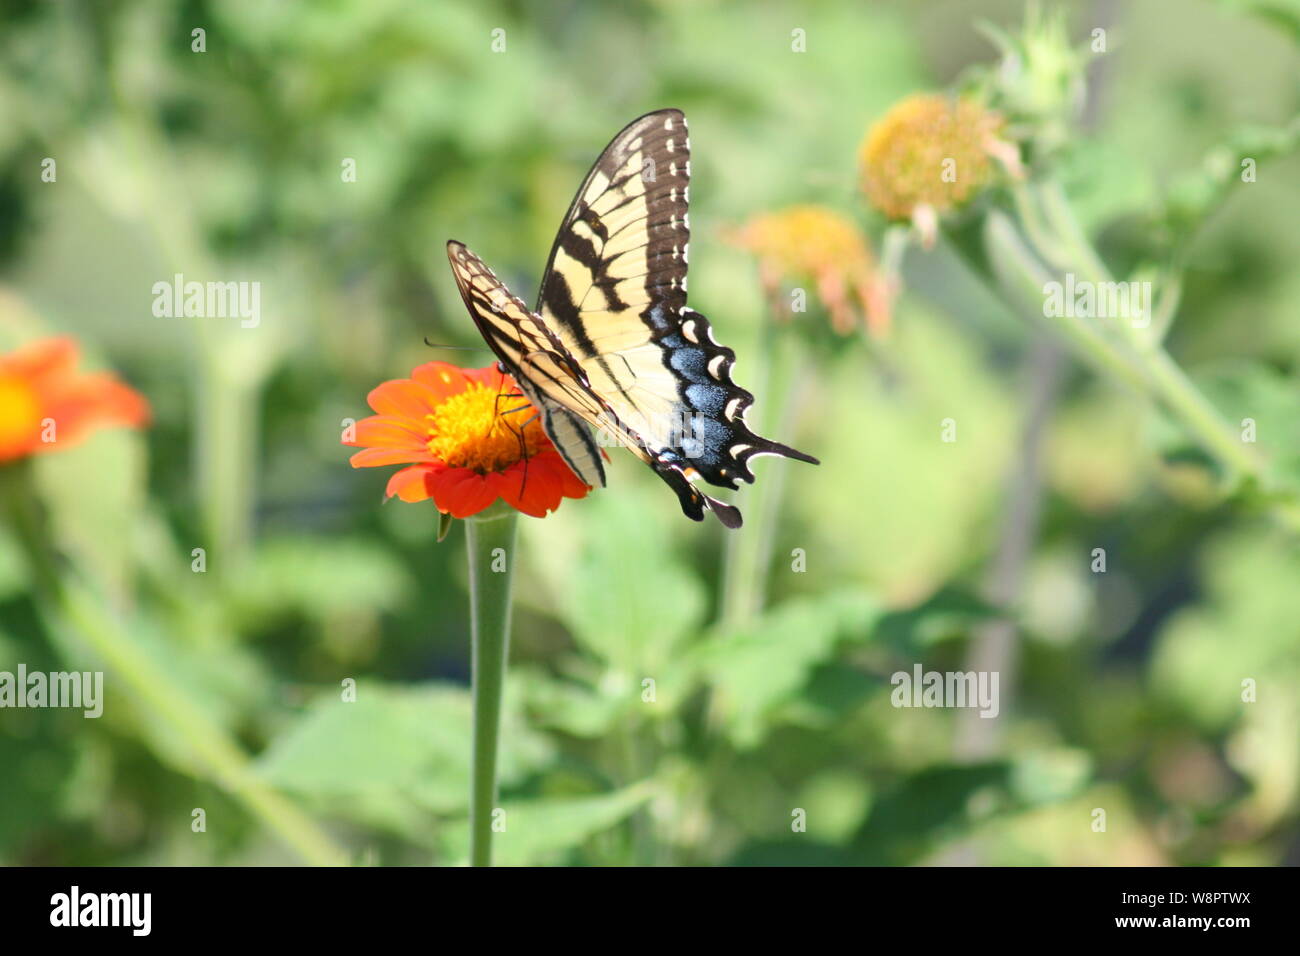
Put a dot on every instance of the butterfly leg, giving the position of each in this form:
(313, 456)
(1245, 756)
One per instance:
(519, 436)
(496, 405)
(517, 432)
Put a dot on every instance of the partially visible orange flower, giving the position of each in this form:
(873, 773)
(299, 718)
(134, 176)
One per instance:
(930, 154)
(468, 443)
(46, 404)
(813, 242)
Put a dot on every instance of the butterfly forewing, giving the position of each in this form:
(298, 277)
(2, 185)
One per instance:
(615, 293)
(618, 266)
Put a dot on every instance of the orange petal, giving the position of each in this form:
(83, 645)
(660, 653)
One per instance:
(491, 377)
(404, 398)
(80, 404)
(383, 431)
(370, 457)
(106, 399)
(460, 492)
(571, 485)
(411, 484)
(539, 485)
(445, 380)
(42, 359)
(530, 489)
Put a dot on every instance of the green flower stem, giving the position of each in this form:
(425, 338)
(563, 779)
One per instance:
(1134, 355)
(490, 540)
(1200, 417)
(893, 248)
(69, 605)
(227, 764)
(1033, 221)
(225, 392)
(1167, 381)
(228, 418)
(1022, 276)
(1076, 249)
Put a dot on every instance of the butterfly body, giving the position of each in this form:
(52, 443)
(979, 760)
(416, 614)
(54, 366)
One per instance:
(612, 344)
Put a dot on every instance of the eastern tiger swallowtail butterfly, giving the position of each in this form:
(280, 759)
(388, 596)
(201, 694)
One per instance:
(612, 344)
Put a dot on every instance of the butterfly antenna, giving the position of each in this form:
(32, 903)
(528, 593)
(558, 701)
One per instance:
(454, 348)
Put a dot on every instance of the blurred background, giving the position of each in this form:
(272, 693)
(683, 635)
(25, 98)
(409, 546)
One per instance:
(767, 735)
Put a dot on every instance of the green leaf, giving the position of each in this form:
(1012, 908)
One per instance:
(1245, 628)
(629, 598)
(1194, 196)
(411, 742)
(755, 670)
(928, 806)
(319, 578)
(539, 831)
(1050, 776)
(948, 614)
(566, 705)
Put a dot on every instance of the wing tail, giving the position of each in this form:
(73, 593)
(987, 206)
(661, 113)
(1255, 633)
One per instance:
(694, 502)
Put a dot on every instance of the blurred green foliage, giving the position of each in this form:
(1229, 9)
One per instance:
(226, 165)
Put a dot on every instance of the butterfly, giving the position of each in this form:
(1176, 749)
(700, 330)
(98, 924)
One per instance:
(612, 344)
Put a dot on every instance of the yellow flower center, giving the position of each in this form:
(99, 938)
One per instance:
(20, 415)
(477, 429)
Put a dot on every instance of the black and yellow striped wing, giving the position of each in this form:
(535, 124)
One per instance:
(536, 359)
(614, 293)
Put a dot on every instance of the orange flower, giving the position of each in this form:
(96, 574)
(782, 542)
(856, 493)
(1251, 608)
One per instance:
(469, 440)
(45, 404)
(813, 242)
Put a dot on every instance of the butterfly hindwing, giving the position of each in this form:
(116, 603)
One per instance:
(570, 435)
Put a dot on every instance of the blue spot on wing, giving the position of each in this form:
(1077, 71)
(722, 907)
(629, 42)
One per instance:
(709, 399)
(659, 318)
(690, 363)
(711, 438)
